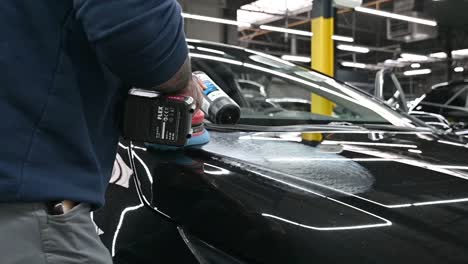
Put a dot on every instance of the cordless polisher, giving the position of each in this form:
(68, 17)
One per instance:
(171, 121)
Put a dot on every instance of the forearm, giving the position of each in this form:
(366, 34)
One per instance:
(179, 81)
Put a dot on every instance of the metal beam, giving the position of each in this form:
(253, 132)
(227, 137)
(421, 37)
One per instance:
(373, 3)
(355, 28)
(264, 32)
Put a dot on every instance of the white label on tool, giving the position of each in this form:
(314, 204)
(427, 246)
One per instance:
(163, 132)
(202, 76)
(205, 106)
(215, 95)
(143, 93)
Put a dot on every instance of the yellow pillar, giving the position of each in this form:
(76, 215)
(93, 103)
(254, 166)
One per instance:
(323, 59)
(322, 55)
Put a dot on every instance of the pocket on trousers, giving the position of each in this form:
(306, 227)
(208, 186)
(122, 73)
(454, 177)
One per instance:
(71, 238)
(77, 211)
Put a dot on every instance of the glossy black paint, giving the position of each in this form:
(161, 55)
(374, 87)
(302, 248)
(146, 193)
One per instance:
(349, 197)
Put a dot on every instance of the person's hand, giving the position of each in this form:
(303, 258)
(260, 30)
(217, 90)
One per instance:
(195, 90)
(200, 135)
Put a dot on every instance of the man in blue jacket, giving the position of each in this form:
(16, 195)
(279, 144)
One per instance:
(65, 68)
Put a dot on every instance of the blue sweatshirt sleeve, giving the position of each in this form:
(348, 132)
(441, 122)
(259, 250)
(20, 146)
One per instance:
(141, 41)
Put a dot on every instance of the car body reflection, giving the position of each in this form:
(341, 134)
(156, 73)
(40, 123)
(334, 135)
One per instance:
(374, 186)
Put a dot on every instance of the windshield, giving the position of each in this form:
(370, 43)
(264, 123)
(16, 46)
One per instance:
(271, 91)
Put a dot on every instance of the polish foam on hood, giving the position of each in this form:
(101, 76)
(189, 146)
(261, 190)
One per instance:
(306, 162)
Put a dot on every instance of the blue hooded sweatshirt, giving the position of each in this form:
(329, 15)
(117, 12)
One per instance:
(65, 68)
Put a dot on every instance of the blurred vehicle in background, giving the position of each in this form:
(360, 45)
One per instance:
(444, 107)
(292, 104)
(447, 99)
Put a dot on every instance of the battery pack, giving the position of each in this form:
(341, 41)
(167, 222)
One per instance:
(160, 119)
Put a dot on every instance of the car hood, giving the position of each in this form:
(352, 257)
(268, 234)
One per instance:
(358, 162)
(360, 195)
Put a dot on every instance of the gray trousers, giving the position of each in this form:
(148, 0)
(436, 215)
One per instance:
(29, 235)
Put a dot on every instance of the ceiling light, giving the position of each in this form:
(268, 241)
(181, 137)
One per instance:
(415, 65)
(342, 38)
(417, 72)
(407, 57)
(413, 57)
(460, 53)
(396, 16)
(459, 69)
(353, 64)
(287, 30)
(353, 48)
(296, 58)
(438, 55)
(394, 63)
(455, 54)
(216, 20)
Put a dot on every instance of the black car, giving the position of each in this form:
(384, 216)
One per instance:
(368, 185)
(447, 99)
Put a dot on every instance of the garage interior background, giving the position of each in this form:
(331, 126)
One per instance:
(372, 42)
